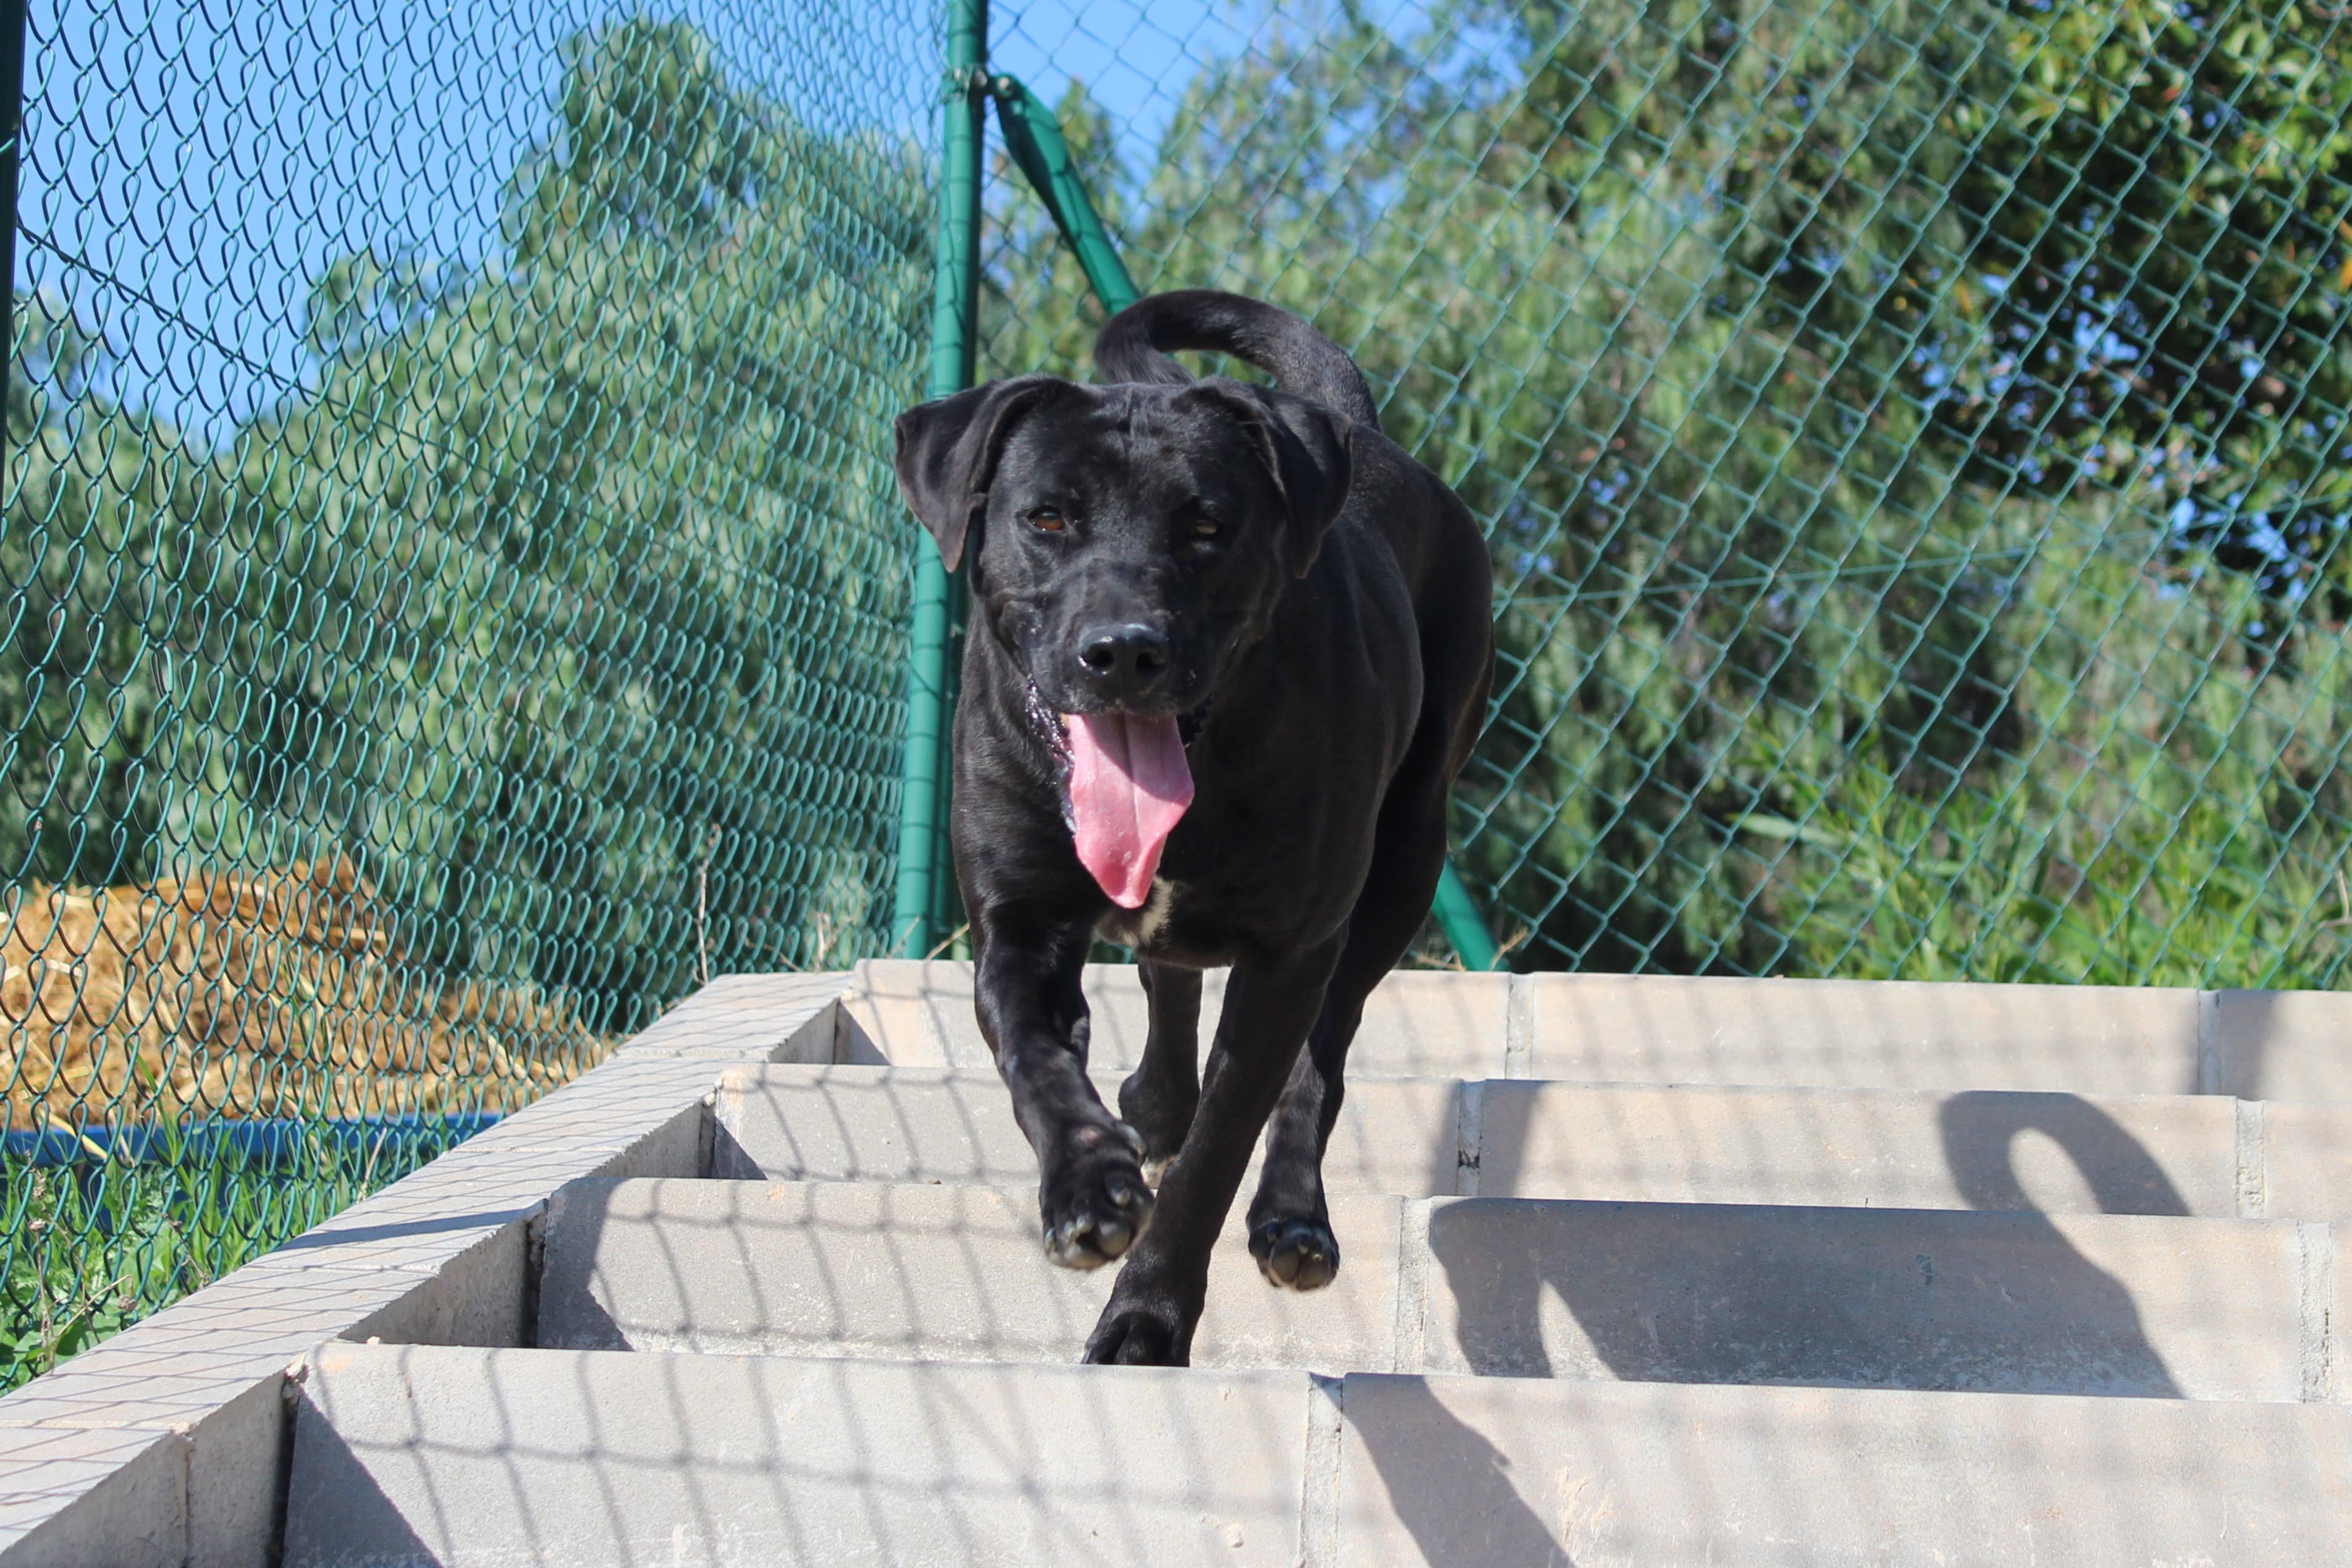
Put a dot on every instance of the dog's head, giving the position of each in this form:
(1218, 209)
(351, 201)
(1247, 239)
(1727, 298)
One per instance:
(1127, 542)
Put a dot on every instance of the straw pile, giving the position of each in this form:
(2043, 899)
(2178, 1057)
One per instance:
(273, 994)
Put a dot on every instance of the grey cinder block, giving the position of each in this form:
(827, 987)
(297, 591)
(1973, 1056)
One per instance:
(557, 1457)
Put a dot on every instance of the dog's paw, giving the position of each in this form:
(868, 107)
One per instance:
(1139, 1336)
(1094, 1204)
(1294, 1254)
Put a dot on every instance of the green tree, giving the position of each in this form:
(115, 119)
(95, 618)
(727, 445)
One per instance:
(1802, 533)
(567, 600)
(583, 598)
(89, 557)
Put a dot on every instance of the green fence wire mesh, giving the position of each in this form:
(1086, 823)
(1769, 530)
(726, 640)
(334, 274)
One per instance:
(455, 595)
(455, 586)
(1911, 438)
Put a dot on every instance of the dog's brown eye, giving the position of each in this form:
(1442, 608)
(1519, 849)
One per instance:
(1045, 518)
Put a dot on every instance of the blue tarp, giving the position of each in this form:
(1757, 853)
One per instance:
(274, 1142)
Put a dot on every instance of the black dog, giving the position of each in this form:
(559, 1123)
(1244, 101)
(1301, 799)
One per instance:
(1230, 648)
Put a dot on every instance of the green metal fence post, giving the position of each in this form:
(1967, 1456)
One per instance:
(1034, 138)
(955, 309)
(1458, 917)
(12, 126)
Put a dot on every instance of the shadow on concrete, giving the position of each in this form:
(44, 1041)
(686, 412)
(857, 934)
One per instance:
(2236, 1059)
(1747, 1294)
(1996, 1299)
(1451, 1487)
(328, 1236)
(1981, 1131)
(362, 1525)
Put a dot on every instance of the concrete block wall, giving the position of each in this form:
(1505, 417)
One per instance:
(169, 1444)
(1636, 1269)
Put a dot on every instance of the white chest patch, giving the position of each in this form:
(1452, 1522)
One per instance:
(1140, 928)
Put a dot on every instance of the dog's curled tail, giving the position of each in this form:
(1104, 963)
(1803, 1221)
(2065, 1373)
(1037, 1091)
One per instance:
(1134, 346)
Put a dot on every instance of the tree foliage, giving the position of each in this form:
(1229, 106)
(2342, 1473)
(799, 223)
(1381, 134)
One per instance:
(1907, 437)
(1911, 439)
(567, 596)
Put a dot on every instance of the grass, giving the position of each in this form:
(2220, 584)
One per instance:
(191, 1004)
(92, 1247)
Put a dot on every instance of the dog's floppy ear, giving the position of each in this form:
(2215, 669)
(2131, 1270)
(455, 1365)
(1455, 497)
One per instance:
(1313, 460)
(1308, 447)
(948, 450)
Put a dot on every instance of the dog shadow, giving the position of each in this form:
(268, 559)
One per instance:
(1443, 1477)
(1451, 1487)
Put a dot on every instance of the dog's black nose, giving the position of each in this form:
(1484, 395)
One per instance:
(1123, 661)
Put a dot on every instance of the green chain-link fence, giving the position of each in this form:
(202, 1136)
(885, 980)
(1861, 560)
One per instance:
(455, 595)
(1911, 436)
(454, 590)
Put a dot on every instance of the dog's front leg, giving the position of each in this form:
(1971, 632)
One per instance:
(1091, 1195)
(1269, 1007)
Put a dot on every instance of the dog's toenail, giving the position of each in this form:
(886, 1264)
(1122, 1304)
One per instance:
(1066, 1245)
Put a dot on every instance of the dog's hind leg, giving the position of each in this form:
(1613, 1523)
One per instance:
(1158, 1097)
(1289, 1221)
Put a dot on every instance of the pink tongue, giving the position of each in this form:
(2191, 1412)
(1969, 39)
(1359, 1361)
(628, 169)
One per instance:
(1128, 787)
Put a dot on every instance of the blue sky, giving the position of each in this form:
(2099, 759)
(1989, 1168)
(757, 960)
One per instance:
(1132, 57)
(192, 164)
